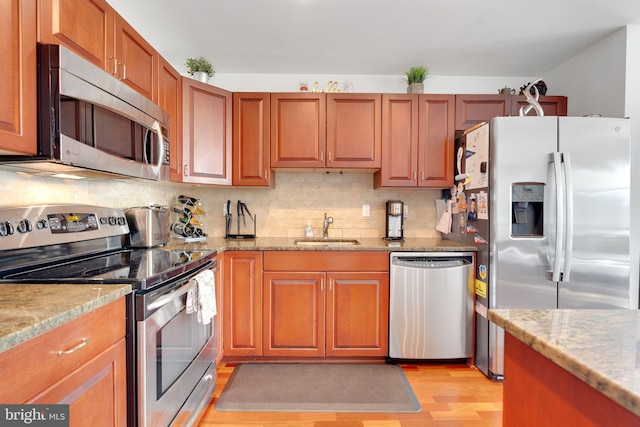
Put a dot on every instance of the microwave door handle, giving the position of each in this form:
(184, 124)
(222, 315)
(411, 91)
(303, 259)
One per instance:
(146, 148)
(166, 299)
(161, 150)
(568, 179)
(557, 167)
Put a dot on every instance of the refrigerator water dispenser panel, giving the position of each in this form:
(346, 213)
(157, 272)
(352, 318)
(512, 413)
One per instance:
(527, 207)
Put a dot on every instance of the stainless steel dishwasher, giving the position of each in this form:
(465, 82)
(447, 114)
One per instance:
(431, 305)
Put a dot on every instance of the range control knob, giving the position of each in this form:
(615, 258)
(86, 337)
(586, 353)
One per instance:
(41, 224)
(112, 220)
(24, 226)
(6, 228)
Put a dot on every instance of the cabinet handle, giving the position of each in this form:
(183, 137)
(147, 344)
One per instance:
(330, 285)
(124, 71)
(415, 175)
(266, 174)
(321, 285)
(322, 157)
(82, 343)
(422, 176)
(185, 170)
(115, 66)
(330, 157)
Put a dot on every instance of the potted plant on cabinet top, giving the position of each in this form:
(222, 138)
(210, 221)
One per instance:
(200, 68)
(415, 78)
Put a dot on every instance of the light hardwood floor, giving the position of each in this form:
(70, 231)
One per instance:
(450, 395)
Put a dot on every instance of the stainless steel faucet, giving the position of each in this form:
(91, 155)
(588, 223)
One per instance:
(325, 226)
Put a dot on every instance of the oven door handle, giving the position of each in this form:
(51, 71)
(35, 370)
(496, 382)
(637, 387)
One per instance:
(166, 299)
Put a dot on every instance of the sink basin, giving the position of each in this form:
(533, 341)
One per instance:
(328, 242)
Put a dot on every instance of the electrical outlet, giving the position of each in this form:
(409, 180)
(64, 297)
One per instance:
(366, 211)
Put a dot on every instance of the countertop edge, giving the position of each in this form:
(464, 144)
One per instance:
(48, 323)
(592, 377)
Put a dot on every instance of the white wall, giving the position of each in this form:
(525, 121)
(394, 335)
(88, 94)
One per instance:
(594, 80)
(367, 83)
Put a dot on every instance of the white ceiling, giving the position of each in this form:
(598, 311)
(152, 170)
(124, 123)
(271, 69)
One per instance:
(386, 37)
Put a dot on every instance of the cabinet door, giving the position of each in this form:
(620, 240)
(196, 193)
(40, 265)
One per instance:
(96, 392)
(353, 130)
(474, 109)
(399, 166)
(206, 133)
(84, 26)
(137, 60)
(298, 130)
(251, 146)
(551, 105)
(169, 95)
(18, 76)
(357, 314)
(294, 305)
(436, 141)
(242, 312)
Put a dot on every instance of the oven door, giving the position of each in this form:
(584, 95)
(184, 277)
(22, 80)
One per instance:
(176, 357)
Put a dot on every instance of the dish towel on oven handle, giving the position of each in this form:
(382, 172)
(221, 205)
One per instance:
(202, 297)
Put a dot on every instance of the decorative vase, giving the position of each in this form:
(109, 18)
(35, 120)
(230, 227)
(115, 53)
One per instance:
(201, 76)
(415, 88)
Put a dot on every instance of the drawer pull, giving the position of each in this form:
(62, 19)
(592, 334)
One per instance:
(83, 343)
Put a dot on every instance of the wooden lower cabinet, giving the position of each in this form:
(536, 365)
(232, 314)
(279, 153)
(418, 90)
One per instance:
(310, 311)
(81, 363)
(242, 306)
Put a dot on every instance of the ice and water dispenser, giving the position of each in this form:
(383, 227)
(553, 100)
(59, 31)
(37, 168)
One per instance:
(527, 206)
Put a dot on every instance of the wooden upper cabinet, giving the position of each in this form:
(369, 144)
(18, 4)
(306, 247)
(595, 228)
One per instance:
(251, 136)
(474, 109)
(169, 98)
(18, 108)
(436, 141)
(317, 130)
(298, 130)
(137, 60)
(85, 26)
(417, 141)
(206, 133)
(92, 29)
(399, 142)
(353, 130)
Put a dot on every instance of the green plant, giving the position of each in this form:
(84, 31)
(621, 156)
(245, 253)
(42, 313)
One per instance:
(199, 64)
(417, 74)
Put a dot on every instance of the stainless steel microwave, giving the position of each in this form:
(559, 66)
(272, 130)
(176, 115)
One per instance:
(90, 123)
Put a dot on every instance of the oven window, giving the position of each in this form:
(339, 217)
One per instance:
(178, 343)
(108, 131)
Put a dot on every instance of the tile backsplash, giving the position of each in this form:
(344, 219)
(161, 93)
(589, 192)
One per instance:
(282, 211)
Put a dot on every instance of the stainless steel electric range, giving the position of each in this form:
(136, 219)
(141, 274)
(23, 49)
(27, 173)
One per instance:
(170, 351)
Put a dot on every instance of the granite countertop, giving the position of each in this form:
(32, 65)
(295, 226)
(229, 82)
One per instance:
(600, 347)
(28, 310)
(287, 243)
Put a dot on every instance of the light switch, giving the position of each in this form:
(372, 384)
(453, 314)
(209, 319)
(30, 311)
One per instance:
(366, 211)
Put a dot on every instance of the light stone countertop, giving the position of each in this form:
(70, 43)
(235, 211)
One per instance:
(287, 244)
(28, 310)
(599, 347)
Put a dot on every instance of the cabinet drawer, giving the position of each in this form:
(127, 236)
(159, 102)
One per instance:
(36, 364)
(326, 261)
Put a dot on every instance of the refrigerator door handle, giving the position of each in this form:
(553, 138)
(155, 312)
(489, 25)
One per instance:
(557, 168)
(568, 180)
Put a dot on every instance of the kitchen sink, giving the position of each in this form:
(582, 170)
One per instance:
(327, 242)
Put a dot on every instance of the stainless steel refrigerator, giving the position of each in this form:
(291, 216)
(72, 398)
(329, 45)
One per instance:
(548, 207)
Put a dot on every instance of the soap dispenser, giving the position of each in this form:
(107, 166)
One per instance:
(308, 231)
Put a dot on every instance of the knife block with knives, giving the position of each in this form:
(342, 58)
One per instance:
(241, 227)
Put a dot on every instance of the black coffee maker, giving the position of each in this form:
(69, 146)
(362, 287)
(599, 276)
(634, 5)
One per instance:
(395, 209)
